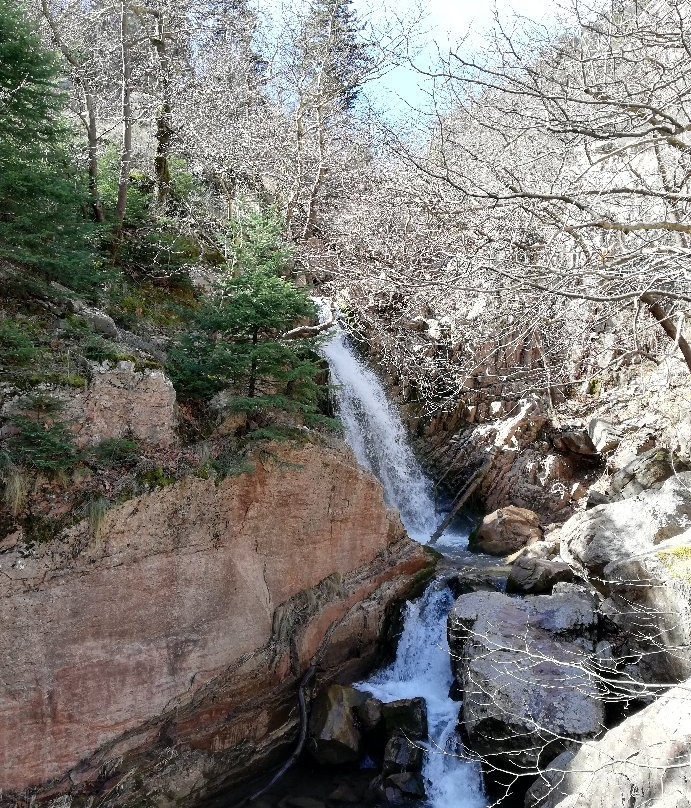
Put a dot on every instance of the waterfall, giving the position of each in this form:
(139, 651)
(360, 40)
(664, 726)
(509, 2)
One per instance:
(374, 430)
(422, 668)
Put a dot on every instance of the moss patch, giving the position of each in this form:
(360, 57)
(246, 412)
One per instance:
(677, 562)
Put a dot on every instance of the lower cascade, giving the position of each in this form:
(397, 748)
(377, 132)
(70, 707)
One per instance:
(422, 666)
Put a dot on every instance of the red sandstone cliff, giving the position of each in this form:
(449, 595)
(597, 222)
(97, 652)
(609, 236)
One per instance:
(162, 658)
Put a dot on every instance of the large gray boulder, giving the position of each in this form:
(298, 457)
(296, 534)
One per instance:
(627, 549)
(525, 669)
(537, 576)
(645, 761)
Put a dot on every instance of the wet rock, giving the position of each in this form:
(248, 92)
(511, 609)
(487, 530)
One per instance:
(408, 784)
(506, 530)
(535, 576)
(346, 794)
(648, 471)
(398, 789)
(301, 802)
(402, 755)
(369, 714)
(406, 716)
(334, 735)
(523, 666)
(642, 762)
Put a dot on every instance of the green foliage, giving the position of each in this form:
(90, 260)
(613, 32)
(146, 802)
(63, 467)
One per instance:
(169, 307)
(235, 342)
(116, 452)
(41, 224)
(155, 478)
(16, 346)
(256, 240)
(42, 446)
(139, 191)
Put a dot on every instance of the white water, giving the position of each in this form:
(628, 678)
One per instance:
(375, 432)
(422, 667)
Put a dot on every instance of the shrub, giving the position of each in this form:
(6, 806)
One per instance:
(16, 346)
(116, 452)
(42, 446)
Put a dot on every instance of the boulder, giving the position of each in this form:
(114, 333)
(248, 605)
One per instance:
(369, 714)
(398, 789)
(402, 755)
(648, 471)
(625, 548)
(507, 530)
(99, 321)
(524, 666)
(642, 762)
(604, 435)
(334, 735)
(576, 441)
(407, 717)
(536, 576)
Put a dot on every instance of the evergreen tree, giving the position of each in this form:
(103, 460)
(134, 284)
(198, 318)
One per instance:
(335, 58)
(235, 343)
(40, 207)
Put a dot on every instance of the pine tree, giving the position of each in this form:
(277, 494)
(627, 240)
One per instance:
(334, 55)
(40, 214)
(235, 343)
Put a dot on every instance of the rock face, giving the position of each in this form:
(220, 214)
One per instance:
(524, 667)
(647, 472)
(507, 530)
(645, 761)
(121, 401)
(624, 549)
(171, 647)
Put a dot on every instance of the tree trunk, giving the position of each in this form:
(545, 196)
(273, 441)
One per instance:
(89, 120)
(126, 157)
(665, 320)
(164, 132)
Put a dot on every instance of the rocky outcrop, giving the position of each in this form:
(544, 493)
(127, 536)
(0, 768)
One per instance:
(525, 668)
(626, 549)
(162, 659)
(645, 761)
(507, 530)
(121, 401)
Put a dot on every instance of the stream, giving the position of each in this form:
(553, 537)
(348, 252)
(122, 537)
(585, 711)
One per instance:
(374, 430)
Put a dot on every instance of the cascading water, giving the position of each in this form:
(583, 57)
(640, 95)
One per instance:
(422, 667)
(376, 434)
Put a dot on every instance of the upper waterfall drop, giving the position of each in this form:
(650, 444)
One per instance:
(374, 430)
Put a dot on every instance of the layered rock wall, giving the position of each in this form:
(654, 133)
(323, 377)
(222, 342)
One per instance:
(170, 647)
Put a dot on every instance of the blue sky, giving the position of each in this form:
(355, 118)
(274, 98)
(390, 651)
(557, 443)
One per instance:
(446, 21)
